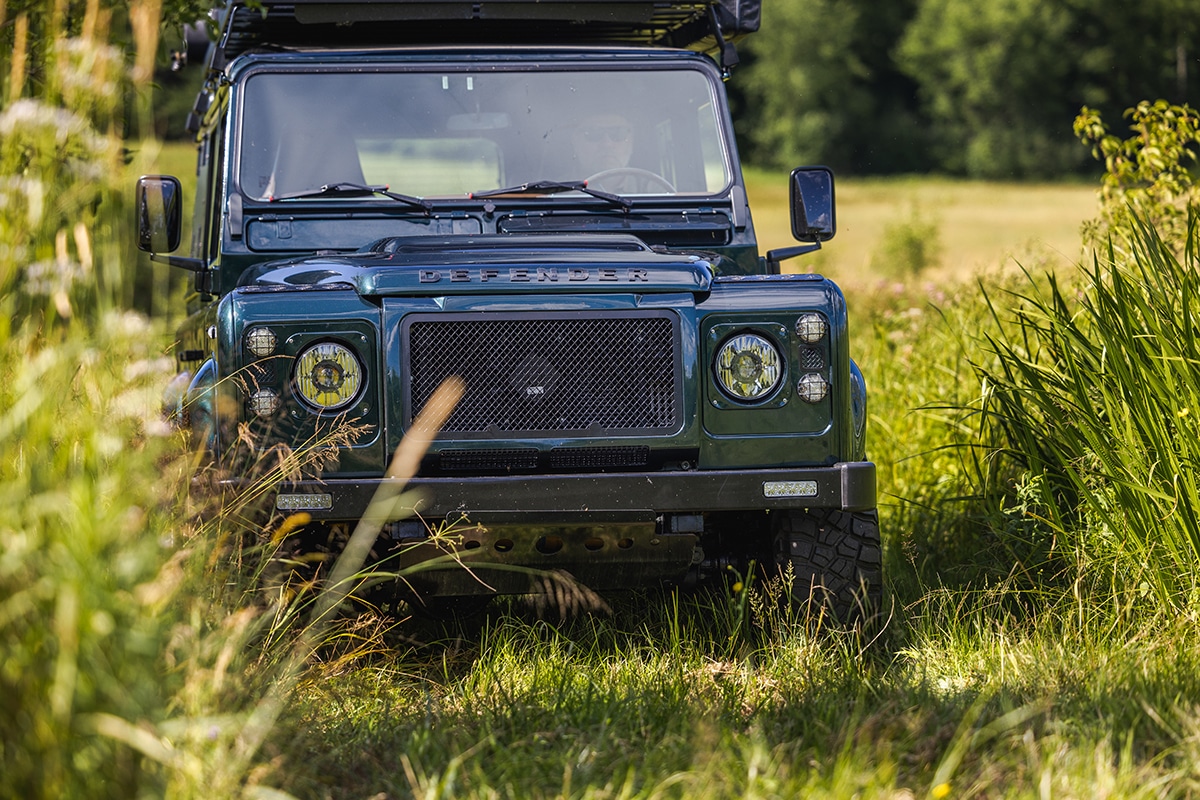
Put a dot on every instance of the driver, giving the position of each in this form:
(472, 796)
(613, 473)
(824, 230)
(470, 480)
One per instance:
(602, 142)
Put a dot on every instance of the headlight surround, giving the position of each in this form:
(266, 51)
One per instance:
(328, 376)
(748, 367)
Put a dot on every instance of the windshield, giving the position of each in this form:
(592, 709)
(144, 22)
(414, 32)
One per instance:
(431, 134)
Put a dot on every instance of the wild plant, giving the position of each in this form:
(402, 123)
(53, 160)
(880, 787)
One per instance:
(1148, 177)
(1094, 393)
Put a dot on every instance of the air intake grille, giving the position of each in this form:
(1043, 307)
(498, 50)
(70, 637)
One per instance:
(538, 374)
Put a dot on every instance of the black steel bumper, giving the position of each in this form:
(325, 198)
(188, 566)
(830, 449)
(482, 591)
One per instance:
(592, 496)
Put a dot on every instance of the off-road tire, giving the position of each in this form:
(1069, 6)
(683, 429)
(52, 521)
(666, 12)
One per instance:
(836, 560)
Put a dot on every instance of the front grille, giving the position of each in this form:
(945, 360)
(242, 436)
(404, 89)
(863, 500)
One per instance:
(536, 374)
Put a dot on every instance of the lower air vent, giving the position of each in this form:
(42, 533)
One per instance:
(511, 460)
(565, 458)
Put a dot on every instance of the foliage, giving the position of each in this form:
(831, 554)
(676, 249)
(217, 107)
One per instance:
(1111, 367)
(103, 584)
(954, 86)
(818, 86)
(58, 171)
(1148, 176)
(983, 72)
(84, 565)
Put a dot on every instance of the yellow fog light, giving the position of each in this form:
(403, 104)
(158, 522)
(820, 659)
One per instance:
(328, 376)
(748, 367)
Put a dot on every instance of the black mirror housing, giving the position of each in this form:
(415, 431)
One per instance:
(159, 213)
(813, 216)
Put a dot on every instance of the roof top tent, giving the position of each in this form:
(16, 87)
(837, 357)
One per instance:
(702, 26)
(708, 27)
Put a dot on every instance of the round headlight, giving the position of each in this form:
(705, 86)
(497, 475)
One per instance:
(261, 341)
(811, 328)
(812, 388)
(748, 367)
(328, 376)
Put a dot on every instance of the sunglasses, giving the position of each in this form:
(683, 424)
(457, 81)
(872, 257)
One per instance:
(613, 133)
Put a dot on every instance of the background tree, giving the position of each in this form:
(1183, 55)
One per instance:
(954, 86)
(998, 80)
(818, 85)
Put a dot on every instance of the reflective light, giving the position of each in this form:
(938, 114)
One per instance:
(748, 367)
(789, 489)
(304, 502)
(261, 341)
(811, 328)
(812, 388)
(328, 376)
(264, 403)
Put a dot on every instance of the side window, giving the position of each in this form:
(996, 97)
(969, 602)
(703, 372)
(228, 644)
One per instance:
(203, 187)
(216, 205)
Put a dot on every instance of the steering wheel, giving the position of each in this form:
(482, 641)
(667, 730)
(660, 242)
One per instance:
(639, 178)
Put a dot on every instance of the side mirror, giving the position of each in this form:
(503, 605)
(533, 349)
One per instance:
(159, 214)
(813, 218)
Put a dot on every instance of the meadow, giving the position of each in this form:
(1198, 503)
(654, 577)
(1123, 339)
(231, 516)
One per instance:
(1033, 419)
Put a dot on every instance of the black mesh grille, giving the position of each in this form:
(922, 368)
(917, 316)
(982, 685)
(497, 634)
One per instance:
(533, 374)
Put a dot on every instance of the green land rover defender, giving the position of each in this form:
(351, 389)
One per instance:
(541, 204)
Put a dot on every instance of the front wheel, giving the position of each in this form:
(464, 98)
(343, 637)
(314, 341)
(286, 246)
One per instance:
(836, 560)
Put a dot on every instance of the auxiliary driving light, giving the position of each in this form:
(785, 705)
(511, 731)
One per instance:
(328, 376)
(264, 403)
(812, 388)
(261, 342)
(748, 367)
(811, 328)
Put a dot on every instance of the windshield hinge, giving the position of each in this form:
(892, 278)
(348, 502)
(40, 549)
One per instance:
(728, 53)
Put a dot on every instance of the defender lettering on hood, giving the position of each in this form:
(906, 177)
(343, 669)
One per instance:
(536, 274)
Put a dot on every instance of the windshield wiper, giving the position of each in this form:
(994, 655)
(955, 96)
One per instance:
(555, 187)
(348, 189)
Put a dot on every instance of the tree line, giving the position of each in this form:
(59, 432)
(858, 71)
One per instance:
(982, 88)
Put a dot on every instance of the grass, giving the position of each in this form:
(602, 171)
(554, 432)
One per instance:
(959, 699)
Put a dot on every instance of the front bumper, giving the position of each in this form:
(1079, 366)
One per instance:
(592, 497)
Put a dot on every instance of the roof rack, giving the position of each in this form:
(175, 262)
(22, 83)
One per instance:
(696, 24)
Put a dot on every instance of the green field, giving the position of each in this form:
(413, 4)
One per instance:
(977, 226)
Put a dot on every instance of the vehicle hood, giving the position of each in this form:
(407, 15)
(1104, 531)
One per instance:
(494, 264)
